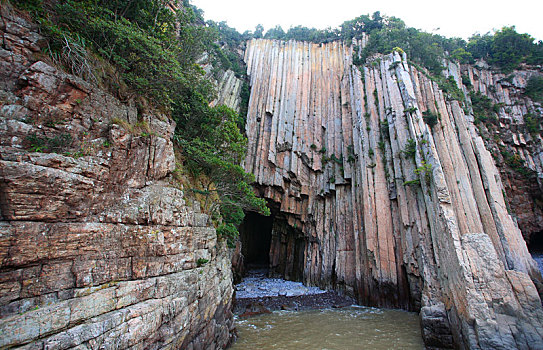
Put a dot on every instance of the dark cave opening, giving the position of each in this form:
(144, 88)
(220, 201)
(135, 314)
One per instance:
(255, 234)
(536, 243)
(271, 243)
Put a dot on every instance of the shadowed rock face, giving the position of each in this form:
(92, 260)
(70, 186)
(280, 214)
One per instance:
(392, 211)
(98, 248)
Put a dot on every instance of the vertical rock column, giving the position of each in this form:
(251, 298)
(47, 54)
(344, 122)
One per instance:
(393, 211)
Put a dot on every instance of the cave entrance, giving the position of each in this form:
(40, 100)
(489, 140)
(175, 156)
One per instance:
(269, 242)
(255, 233)
(536, 249)
(536, 242)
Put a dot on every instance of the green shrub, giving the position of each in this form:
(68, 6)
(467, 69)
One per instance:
(411, 109)
(516, 163)
(534, 88)
(450, 88)
(430, 118)
(410, 149)
(532, 123)
(412, 182)
(201, 262)
(229, 232)
(467, 81)
(384, 129)
(483, 108)
(425, 170)
(56, 144)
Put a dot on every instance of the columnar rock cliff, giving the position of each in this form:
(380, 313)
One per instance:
(98, 246)
(382, 205)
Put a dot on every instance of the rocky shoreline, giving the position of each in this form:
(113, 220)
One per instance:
(258, 294)
(329, 299)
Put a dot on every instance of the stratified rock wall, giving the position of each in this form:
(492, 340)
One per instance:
(98, 247)
(510, 140)
(393, 211)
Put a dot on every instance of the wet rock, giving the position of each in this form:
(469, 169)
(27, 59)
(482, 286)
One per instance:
(254, 309)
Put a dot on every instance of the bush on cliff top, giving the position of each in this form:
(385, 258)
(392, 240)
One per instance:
(505, 49)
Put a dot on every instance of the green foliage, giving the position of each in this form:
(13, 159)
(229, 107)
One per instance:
(534, 88)
(351, 156)
(516, 163)
(259, 31)
(336, 159)
(430, 118)
(506, 49)
(509, 48)
(214, 146)
(462, 56)
(410, 149)
(382, 146)
(362, 24)
(301, 33)
(467, 81)
(483, 108)
(423, 48)
(412, 182)
(411, 109)
(425, 170)
(201, 262)
(229, 232)
(275, 33)
(450, 88)
(138, 37)
(245, 95)
(56, 144)
(532, 123)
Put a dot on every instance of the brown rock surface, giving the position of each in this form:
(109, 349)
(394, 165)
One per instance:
(516, 149)
(423, 229)
(98, 247)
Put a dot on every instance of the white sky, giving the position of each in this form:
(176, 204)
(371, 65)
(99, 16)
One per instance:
(459, 18)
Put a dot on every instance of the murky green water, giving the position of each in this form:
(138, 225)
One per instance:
(345, 329)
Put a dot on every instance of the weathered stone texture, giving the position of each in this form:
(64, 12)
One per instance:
(426, 229)
(98, 247)
(509, 137)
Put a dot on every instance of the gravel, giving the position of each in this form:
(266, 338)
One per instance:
(278, 294)
(257, 285)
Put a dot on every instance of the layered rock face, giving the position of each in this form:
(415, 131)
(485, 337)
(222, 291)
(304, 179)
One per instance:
(98, 247)
(380, 204)
(512, 143)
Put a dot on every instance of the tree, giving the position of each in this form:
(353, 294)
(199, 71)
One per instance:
(461, 55)
(509, 48)
(259, 31)
(275, 33)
